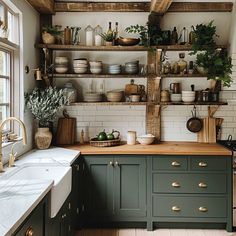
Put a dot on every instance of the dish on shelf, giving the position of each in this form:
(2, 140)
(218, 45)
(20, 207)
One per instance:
(188, 96)
(115, 95)
(146, 139)
(78, 70)
(132, 67)
(114, 69)
(92, 97)
(128, 41)
(61, 69)
(176, 97)
(134, 98)
(61, 60)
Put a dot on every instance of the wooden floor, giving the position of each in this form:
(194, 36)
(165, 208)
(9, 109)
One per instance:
(158, 232)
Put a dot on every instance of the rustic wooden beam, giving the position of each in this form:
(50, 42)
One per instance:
(140, 6)
(160, 6)
(102, 6)
(43, 6)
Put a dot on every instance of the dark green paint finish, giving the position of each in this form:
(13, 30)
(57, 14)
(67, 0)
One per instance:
(189, 206)
(189, 183)
(213, 163)
(162, 163)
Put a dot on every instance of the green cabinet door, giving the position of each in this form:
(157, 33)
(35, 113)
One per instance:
(130, 187)
(98, 187)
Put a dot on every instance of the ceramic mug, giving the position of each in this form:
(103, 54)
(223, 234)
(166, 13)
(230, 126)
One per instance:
(131, 137)
(175, 87)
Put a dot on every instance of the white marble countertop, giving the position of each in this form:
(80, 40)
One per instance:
(18, 198)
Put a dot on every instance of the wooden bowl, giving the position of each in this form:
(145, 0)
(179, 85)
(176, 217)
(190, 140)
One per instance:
(128, 41)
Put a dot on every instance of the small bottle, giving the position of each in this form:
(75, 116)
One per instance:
(182, 64)
(192, 35)
(109, 31)
(89, 31)
(184, 36)
(174, 36)
(67, 35)
(97, 35)
(116, 34)
(190, 68)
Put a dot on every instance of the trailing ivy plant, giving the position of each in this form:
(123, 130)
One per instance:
(45, 104)
(216, 62)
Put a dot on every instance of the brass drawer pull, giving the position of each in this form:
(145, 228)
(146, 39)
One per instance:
(202, 209)
(202, 164)
(116, 163)
(175, 164)
(29, 232)
(111, 163)
(202, 185)
(176, 209)
(175, 184)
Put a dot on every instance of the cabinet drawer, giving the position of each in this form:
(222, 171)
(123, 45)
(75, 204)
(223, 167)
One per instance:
(182, 206)
(174, 163)
(208, 163)
(189, 183)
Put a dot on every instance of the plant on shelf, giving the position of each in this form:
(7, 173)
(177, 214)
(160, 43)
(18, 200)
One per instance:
(109, 37)
(215, 63)
(149, 35)
(44, 105)
(51, 33)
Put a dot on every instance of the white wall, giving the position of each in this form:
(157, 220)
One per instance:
(29, 31)
(94, 119)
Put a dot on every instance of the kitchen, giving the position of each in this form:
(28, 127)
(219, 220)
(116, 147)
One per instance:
(76, 178)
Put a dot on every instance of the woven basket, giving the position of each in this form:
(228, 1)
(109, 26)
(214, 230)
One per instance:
(107, 143)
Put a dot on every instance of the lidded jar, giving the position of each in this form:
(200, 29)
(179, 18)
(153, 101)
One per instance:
(182, 64)
(97, 35)
(71, 92)
(89, 36)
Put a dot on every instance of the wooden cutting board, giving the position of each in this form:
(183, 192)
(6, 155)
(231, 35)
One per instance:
(202, 135)
(131, 89)
(66, 131)
(211, 130)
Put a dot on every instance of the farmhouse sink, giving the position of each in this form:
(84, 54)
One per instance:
(61, 175)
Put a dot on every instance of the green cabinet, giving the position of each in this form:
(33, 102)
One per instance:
(115, 188)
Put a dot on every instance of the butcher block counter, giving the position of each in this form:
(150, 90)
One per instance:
(163, 148)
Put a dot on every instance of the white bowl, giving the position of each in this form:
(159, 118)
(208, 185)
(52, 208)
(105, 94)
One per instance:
(188, 99)
(146, 139)
(114, 96)
(96, 70)
(176, 97)
(80, 70)
(95, 63)
(80, 66)
(134, 98)
(61, 60)
(188, 93)
(61, 70)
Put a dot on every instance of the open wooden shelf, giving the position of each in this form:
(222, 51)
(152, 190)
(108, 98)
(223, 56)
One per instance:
(91, 48)
(194, 103)
(97, 76)
(186, 47)
(183, 76)
(68, 6)
(112, 103)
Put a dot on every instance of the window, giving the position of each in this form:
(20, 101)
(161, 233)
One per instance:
(9, 58)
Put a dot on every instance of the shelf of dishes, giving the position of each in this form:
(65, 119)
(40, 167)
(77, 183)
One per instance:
(83, 66)
(96, 76)
(194, 103)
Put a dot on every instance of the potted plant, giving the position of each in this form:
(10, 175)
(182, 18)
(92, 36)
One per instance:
(44, 105)
(109, 37)
(50, 33)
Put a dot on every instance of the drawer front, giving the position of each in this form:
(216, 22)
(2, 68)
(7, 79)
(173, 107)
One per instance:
(182, 206)
(189, 183)
(173, 163)
(208, 163)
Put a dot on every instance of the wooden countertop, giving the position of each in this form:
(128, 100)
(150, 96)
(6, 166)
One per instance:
(164, 148)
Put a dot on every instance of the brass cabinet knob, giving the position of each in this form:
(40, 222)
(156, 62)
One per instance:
(175, 184)
(176, 209)
(63, 216)
(202, 164)
(202, 185)
(29, 232)
(202, 209)
(175, 163)
(117, 163)
(111, 163)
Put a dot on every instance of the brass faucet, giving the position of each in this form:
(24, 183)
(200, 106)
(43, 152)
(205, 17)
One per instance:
(1, 128)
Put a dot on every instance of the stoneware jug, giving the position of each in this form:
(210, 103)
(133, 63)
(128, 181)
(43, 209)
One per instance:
(43, 138)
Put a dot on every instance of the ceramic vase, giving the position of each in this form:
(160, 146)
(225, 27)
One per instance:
(43, 138)
(48, 38)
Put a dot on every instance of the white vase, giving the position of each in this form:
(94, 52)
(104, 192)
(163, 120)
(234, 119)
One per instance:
(43, 138)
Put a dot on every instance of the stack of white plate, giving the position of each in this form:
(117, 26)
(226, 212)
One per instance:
(92, 97)
(132, 67)
(95, 67)
(114, 69)
(188, 96)
(61, 65)
(80, 65)
(115, 95)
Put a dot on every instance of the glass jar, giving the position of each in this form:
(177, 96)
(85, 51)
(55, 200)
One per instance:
(182, 64)
(71, 92)
(97, 35)
(89, 38)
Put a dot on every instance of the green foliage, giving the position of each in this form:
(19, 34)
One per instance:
(53, 30)
(44, 104)
(109, 37)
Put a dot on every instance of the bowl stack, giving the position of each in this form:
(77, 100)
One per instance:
(114, 69)
(61, 65)
(132, 67)
(92, 97)
(95, 67)
(80, 65)
(115, 95)
(188, 96)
